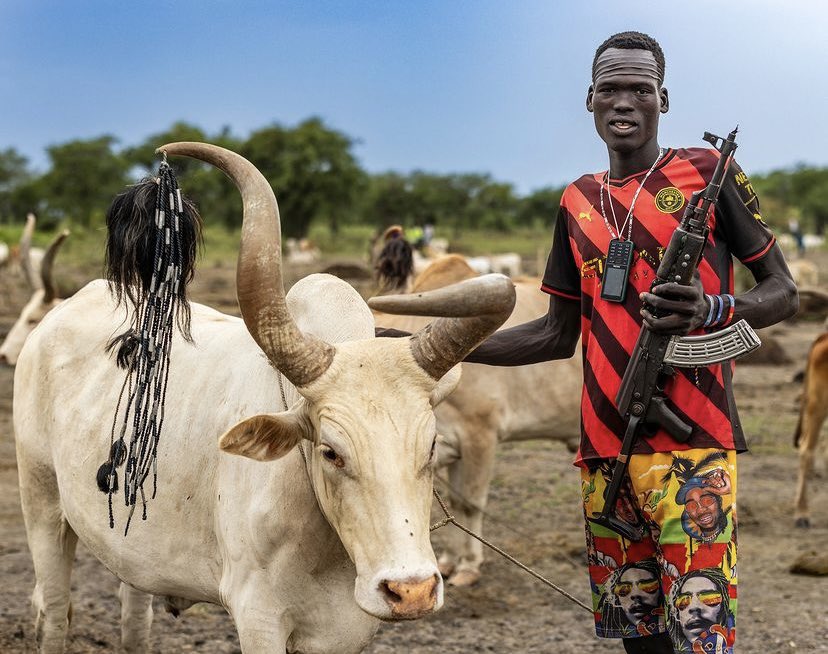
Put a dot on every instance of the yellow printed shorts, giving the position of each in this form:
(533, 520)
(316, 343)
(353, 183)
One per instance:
(681, 577)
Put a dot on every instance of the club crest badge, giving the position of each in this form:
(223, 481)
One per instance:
(669, 200)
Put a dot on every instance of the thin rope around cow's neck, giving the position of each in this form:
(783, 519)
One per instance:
(153, 325)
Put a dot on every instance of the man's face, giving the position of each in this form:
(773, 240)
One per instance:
(703, 508)
(625, 100)
(638, 593)
(699, 605)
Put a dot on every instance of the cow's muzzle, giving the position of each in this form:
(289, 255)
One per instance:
(409, 599)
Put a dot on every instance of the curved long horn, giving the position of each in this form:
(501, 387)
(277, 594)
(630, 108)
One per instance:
(25, 252)
(302, 358)
(49, 288)
(471, 310)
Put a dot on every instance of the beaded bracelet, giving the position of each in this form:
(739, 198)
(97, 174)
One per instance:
(719, 315)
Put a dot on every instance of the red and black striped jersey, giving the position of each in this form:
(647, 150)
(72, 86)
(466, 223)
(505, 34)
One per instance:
(702, 397)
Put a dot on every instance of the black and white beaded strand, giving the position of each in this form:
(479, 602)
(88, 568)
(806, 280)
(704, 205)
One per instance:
(152, 330)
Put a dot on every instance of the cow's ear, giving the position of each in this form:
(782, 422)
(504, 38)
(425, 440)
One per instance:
(266, 437)
(445, 386)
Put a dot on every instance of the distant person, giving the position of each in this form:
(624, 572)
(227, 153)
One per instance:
(796, 232)
(416, 236)
(428, 234)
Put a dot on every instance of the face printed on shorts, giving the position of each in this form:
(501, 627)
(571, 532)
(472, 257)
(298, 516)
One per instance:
(638, 593)
(680, 578)
(704, 508)
(698, 605)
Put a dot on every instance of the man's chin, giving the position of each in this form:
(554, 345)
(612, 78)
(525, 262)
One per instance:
(622, 144)
(696, 628)
(640, 613)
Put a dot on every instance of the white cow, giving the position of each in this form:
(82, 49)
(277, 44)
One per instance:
(492, 405)
(44, 299)
(320, 528)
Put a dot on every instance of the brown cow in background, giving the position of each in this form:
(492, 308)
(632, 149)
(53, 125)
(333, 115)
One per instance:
(811, 417)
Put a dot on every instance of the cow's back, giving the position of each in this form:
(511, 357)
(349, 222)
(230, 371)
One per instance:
(66, 392)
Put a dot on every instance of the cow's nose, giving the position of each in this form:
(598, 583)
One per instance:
(411, 598)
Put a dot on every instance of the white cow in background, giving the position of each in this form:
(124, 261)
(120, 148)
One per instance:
(44, 299)
(319, 528)
(24, 259)
(301, 252)
(491, 405)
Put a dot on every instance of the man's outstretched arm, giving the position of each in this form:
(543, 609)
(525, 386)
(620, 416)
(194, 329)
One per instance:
(553, 336)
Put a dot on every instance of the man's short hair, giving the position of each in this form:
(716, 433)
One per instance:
(633, 41)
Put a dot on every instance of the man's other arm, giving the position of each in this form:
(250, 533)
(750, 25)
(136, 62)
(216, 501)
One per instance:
(553, 336)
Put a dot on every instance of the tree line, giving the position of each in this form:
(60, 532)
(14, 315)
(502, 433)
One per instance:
(317, 178)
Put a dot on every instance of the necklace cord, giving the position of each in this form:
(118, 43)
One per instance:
(629, 219)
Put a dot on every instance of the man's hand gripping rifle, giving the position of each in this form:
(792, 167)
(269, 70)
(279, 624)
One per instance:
(641, 397)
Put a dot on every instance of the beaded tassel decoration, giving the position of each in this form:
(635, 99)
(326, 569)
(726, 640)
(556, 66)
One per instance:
(145, 352)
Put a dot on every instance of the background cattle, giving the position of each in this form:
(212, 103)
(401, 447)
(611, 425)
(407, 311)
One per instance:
(490, 405)
(44, 299)
(319, 528)
(813, 410)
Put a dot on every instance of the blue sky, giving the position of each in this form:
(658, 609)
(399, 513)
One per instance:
(484, 86)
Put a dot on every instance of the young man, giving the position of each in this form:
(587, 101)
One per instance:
(641, 198)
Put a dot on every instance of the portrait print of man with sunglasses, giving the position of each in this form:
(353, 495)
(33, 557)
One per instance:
(632, 598)
(704, 516)
(701, 611)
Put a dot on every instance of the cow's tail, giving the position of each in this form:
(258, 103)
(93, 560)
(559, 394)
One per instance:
(153, 238)
(798, 431)
(803, 402)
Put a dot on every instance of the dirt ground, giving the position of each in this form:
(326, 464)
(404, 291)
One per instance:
(534, 515)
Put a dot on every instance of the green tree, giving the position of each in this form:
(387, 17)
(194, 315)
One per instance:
(389, 200)
(83, 178)
(496, 205)
(539, 208)
(312, 170)
(14, 174)
(213, 193)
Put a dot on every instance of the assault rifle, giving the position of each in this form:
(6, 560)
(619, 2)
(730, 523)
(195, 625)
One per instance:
(641, 398)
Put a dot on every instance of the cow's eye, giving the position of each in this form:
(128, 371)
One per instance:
(329, 454)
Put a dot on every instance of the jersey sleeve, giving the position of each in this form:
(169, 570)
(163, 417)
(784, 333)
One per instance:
(739, 219)
(562, 276)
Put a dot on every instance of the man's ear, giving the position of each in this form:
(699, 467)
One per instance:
(590, 91)
(665, 100)
(266, 437)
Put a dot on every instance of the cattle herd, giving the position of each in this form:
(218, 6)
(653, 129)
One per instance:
(298, 452)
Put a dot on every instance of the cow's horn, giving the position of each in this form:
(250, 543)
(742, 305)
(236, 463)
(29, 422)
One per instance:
(470, 310)
(25, 252)
(302, 358)
(49, 288)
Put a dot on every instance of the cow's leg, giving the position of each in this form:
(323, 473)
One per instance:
(448, 454)
(260, 630)
(471, 476)
(814, 410)
(52, 545)
(136, 619)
